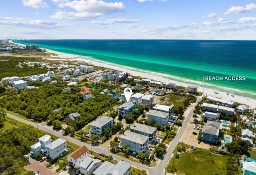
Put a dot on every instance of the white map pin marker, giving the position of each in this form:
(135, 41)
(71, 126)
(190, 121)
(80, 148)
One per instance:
(127, 93)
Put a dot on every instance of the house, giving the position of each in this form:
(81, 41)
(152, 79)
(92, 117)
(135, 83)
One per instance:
(135, 142)
(249, 168)
(56, 148)
(129, 78)
(211, 115)
(158, 116)
(11, 79)
(87, 96)
(210, 132)
(72, 84)
(89, 165)
(40, 146)
(72, 117)
(125, 108)
(164, 108)
(77, 72)
(36, 148)
(89, 69)
(98, 126)
(50, 74)
(209, 107)
(123, 86)
(20, 84)
(46, 79)
(136, 98)
(121, 168)
(104, 169)
(145, 130)
(137, 88)
(226, 111)
(147, 100)
(242, 109)
(76, 157)
(192, 89)
(156, 84)
(247, 135)
(220, 101)
(170, 86)
(65, 78)
(249, 123)
(173, 118)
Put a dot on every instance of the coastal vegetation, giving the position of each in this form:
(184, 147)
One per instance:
(39, 104)
(9, 66)
(15, 142)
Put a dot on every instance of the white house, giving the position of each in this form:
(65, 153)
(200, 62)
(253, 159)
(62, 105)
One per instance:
(98, 126)
(65, 78)
(247, 135)
(164, 108)
(50, 74)
(147, 100)
(36, 148)
(192, 89)
(40, 146)
(209, 107)
(20, 84)
(89, 165)
(145, 130)
(104, 169)
(249, 168)
(89, 69)
(211, 115)
(158, 116)
(76, 157)
(242, 109)
(135, 142)
(121, 168)
(136, 98)
(56, 148)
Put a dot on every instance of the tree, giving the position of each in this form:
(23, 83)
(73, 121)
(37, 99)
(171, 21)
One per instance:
(110, 158)
(160, 149)
(114, 146)
(126, 149)
(144, 157)
(94, 138)
(107, 133)
(2, 89)
(2, 117)
(56, 125)
(129, 118)
(238, 146)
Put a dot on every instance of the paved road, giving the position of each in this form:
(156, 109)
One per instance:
(160, 168)
(157, 170)
(77, 142)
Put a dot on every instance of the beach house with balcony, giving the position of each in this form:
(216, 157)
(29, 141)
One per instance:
(209, 107)
(135, 142)
(147, 100)
(89, 165)
(158, 116)
(97, 127)
(56, 148)
(164, 108)
(247, 135)
(136, 98)
(145, 130)
(126, 108)
(211, 116)
(226, 111)
(210, 132)
(77, 157)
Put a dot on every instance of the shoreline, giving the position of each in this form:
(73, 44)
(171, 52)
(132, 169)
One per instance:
(222, 92)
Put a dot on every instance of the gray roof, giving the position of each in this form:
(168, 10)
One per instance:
(224, 108)
(209, 105)
(143, 128)
(127, 105)
(86, 162)
(73, 116)
(158, 113)
(247, 132)
(120, 168)
(134, 137)
(101, 121)
(104, 168)
(147, 97)
(55, 143)
(211, 127)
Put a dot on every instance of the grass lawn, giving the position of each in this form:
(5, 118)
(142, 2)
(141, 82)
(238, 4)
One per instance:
(252, 154)
(177, 100)
(198, 162)
(135, 171)
(9, 124)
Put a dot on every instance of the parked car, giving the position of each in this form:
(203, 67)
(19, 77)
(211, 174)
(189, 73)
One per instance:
(194, 133)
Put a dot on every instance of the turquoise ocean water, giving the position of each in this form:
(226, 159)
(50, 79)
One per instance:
(185, 60)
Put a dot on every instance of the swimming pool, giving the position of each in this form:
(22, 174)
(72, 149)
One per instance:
(227, 139)
(248, 159)
(225, 123)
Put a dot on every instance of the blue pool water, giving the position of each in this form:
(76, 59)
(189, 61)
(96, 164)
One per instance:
(227, 139)
(248, 159)
(225, 123)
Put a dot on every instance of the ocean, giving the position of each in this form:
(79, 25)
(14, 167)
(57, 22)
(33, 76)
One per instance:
(229, 65)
